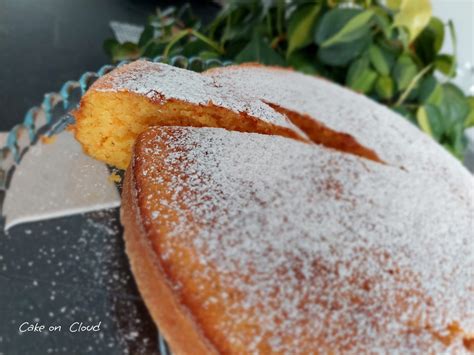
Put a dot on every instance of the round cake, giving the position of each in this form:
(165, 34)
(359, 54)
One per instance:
(302, 218)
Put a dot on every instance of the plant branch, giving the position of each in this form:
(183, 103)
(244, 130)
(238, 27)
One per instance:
(208, 41)
(176, 38)
(454, 41)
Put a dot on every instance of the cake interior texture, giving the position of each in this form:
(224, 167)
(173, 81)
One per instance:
(111, 121)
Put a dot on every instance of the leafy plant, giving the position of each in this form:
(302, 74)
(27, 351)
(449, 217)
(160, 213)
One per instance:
(389, 51)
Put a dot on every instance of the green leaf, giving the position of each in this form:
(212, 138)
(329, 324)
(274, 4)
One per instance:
(194, 46)
(384, 87)
(454, 106)
(332, 22)
(382, 20)
(469, 122)
(153, 49)
(437, 27)
(342, 54)
(405, 112)
(211, 43)
(455, 109)
(110, 46)
(394, 4)
(240, 24)
(146, 36)
(431, 91)
(258, 50)
(457, 140)
(446, 64)
(380, 60)
(429, 119)
(404, 71)
(178, 36)
(301, 26)
(303, 63)
(360, 77)
(356, 28)
(454, 41)
(125, 51)
(422, 119)
(429, 42)
(392, 48)
(413, 15)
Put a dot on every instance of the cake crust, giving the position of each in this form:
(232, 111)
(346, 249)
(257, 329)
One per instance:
(176, 323)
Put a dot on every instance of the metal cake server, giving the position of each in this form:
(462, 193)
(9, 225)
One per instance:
(57, 179)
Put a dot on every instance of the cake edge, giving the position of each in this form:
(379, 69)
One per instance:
(173, 319)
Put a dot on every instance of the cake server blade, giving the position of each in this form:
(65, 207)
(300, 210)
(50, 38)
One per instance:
(56, 179)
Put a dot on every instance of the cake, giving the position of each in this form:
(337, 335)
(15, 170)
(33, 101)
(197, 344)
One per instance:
(250, 243)
(268, 211)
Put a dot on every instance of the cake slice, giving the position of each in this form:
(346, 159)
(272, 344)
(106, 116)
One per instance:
(247, 243)
(123, 103)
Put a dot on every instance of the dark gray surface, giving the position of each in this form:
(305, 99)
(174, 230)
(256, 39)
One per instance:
(69, 270)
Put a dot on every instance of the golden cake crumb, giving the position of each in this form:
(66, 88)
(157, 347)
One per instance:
(114, 177)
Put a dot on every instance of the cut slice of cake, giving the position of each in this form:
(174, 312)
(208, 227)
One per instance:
(123, 103)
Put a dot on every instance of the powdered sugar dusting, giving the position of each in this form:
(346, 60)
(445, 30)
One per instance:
(309, 248)
(161, 82)
(393, 138)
